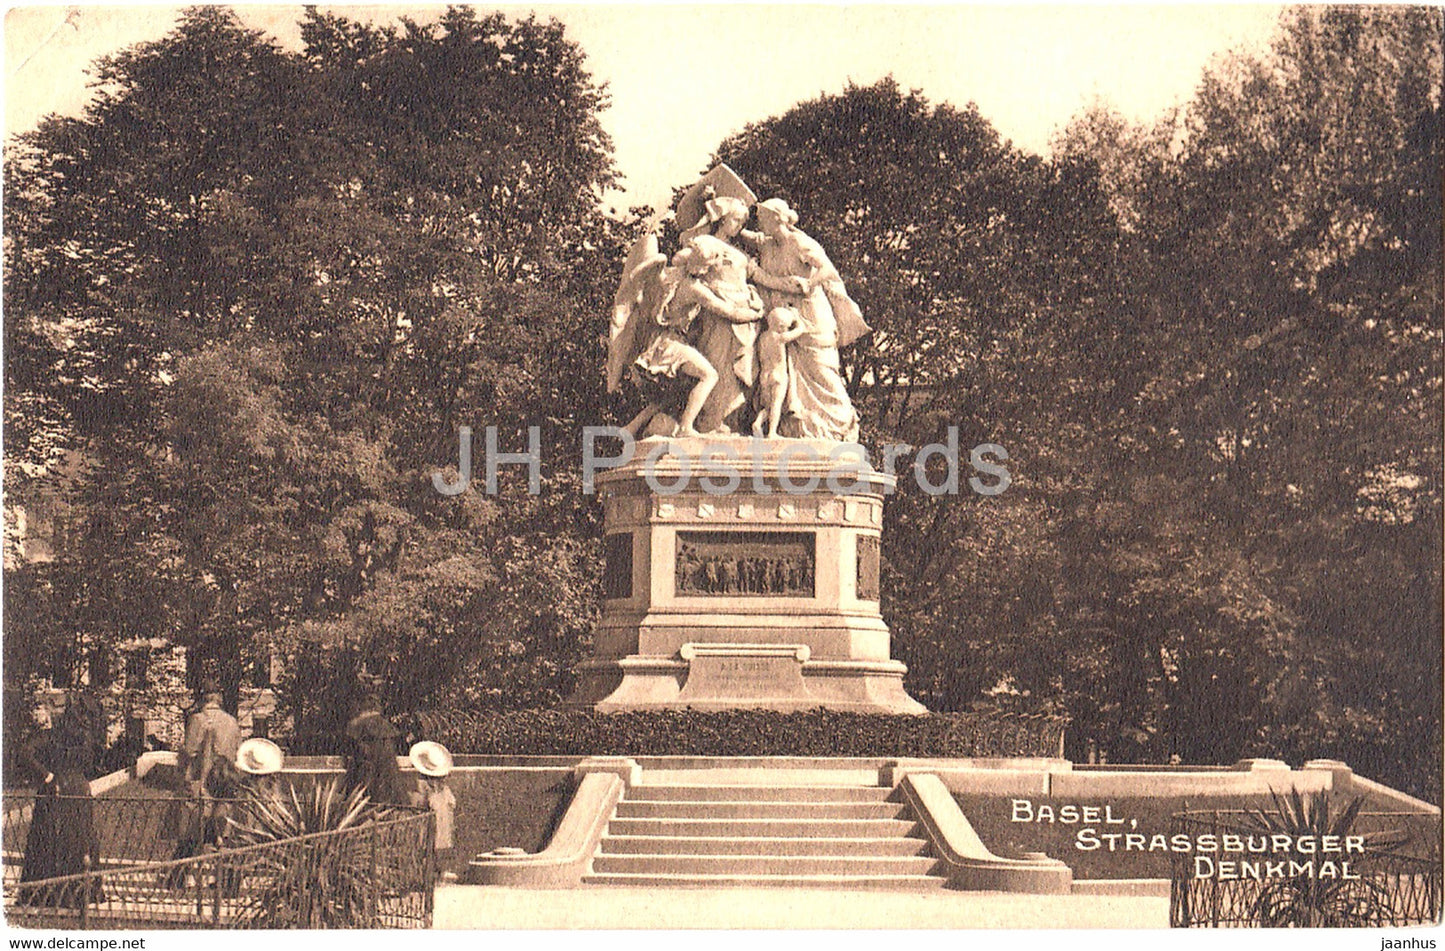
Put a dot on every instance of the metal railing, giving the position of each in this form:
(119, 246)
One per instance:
(379, 873)
(126, 830)
(1388, 876)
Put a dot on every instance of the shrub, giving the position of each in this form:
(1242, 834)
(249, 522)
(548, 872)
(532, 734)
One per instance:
(738, 733)
(316, 882)
(1306, 901)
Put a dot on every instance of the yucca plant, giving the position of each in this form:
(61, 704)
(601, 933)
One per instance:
(322, 882)
(1307, 901)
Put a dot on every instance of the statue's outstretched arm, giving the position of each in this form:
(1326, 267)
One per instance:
(820, 268)
(793, 332)
(699, 293)
(788, 284)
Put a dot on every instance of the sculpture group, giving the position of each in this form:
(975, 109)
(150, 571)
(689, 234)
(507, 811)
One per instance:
(739, 331)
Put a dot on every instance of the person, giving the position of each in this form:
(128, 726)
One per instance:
(371, 755)
(213, 737)
(62, 838)
(804, 279)
(260, 760)
(784, 326)
(727, 332)
(207, 762)
(664, 352)
(433, 763)
(265, 796)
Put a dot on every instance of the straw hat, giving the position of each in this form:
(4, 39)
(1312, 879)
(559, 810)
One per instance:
(259, 756)
(431, 759)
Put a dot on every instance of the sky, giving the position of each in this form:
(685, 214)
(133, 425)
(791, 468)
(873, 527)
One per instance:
(682, 77)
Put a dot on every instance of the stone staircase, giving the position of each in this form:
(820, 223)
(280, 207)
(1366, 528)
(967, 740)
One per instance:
(763, 835)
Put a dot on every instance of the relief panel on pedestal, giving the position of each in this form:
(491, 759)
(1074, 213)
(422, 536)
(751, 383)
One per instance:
(746, 564)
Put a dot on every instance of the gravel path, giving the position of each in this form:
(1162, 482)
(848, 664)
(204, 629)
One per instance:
(599, 907)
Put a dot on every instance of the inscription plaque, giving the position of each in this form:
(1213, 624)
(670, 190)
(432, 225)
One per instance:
(617, 574)
(724, 674)
(745, 564)
(867, 568)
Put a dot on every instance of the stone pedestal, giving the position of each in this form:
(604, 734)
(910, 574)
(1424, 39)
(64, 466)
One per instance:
(760, 594)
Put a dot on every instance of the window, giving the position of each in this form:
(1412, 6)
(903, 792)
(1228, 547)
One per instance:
(138, 668)
(99, 663)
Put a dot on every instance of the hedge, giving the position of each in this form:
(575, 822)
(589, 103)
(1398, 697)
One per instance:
(737, 733)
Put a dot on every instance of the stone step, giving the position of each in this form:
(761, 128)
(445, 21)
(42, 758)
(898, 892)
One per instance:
(745, 771)
(760, 809)
(760, 845)
(791, 828)
(793, 865)
(850, 882)
(728, 793)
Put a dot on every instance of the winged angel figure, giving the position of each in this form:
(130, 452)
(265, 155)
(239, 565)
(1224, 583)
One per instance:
(648, 335)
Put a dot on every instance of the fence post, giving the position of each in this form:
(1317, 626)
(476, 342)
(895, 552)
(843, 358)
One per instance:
(216, 891)
(375, 892)
(85, 893)
(432, 870)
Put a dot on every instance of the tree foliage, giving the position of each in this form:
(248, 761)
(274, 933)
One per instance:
(986, 275)
(1286, 249)
(262, 289)
(252, 293)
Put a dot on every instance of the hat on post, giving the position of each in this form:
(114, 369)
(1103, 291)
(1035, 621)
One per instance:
(430, 759)
(259, 756)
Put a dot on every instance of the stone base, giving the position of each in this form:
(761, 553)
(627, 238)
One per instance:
(760, 594)
(721, 676)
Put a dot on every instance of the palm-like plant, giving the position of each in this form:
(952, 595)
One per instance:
(1307, 901)
(317, 880)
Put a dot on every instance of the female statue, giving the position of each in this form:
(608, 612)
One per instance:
(727, 339)
(800, 276)
(698, 316)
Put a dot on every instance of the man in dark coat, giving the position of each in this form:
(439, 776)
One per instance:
(62, 837)
(371, 755)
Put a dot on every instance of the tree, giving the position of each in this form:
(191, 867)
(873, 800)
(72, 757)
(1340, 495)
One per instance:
(1283, 240)
(1211, 346)
(262, 290)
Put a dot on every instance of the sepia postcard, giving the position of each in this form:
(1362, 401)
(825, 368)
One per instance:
(710, 467)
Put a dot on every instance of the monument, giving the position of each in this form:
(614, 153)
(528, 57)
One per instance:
(742, 538)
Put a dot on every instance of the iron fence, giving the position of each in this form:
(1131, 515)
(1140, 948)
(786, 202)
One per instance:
(1239, 873)
(379, 873)
(126, 830)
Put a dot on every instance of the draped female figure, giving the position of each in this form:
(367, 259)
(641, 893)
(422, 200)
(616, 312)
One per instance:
(800, 276)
